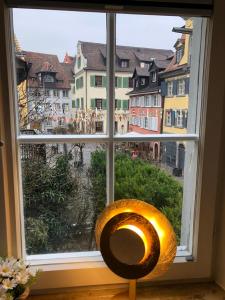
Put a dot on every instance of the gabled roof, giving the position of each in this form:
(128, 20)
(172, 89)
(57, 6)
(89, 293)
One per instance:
(42, 62)
(173, 67)
(95, 53)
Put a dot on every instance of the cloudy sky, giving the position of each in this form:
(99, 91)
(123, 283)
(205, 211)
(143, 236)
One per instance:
(58, 32)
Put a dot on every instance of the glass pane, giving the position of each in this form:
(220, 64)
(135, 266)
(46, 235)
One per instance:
(64, 190)
(154, 172)
(61, 72)
(153, 75)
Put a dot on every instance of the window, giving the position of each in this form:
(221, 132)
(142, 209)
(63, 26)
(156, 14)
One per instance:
(179, 54)
(65, 93)
(124, 63)
(56, 93)
(178, 118)
(48, 78)
(57, 106)
(142, 81)
(98, 81)
(22, 140)
(170, 88)
(153, 123)
(168, 117)
(98, 103)
(153, 76)
(99, 126)
(181, 87)
(156, 100)
(65, 107)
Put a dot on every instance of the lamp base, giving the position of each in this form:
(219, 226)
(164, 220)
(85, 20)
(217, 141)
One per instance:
(131, 294)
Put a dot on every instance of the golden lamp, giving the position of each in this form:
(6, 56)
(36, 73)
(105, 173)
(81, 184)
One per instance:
(135, 239)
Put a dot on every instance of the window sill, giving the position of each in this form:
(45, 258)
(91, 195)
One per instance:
(169, 291)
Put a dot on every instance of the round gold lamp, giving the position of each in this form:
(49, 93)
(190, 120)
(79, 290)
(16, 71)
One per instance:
(135, 239)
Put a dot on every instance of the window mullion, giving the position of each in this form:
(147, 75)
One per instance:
(111, 41)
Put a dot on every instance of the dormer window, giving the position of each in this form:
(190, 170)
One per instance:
(144, 64)
(153, 76)
(48, 78)
(124, 63)
(142, 81)
(179, 54)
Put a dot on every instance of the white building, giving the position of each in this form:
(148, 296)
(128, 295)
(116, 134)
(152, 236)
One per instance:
(89, 106)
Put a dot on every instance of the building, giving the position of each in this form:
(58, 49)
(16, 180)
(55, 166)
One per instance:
(90, 105)
(146, 102)
(175, 90)
(48, 93)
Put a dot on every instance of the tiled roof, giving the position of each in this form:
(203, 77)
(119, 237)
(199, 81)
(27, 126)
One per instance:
(42, 62)
(95, 54)
(173, 66)
(142, 71)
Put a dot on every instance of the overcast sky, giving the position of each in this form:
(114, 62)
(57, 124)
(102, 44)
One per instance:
(58, 32)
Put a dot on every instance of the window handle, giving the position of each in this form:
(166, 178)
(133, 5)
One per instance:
(1, 143)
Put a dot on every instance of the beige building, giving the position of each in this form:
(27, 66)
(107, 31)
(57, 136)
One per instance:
(89, 106)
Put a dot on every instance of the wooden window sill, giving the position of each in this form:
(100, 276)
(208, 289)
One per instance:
(198, 291)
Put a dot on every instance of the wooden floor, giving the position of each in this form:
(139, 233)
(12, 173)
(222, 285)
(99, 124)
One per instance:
(205, 291)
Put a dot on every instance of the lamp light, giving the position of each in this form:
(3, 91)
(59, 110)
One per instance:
(135, 240)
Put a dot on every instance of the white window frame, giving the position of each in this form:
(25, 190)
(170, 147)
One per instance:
(181, 87)
(66, 272)
(154, 76)
(168, 117)
(170, 88)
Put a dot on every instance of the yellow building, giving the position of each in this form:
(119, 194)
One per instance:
(21, 74)
(175, 88)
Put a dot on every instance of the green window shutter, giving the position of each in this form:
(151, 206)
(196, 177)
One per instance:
(104, 81)
(92, 103)
(125, 104)
(104, 104)
(81, 81)
(118, 104)
(125, 82)
(77, 83)
(92, 80)
(73, 104)
(82, 103)
(78, 103)
(119, 82)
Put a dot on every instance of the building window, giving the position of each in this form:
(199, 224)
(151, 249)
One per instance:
(98, 81)
(124, 63)
(180, 87)
(48, 78)
(98, 103)
(178, 118)
(170, 88)
(142, 81)
(156, 100)
(57, 106)
(179, 54)
(65, 93)
(168, 118)
(153, 123)
(154, 76)
(65, 107)
(99, 126)
(56, 93)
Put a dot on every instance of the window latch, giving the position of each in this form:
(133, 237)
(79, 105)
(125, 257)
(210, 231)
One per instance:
(1, 143)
